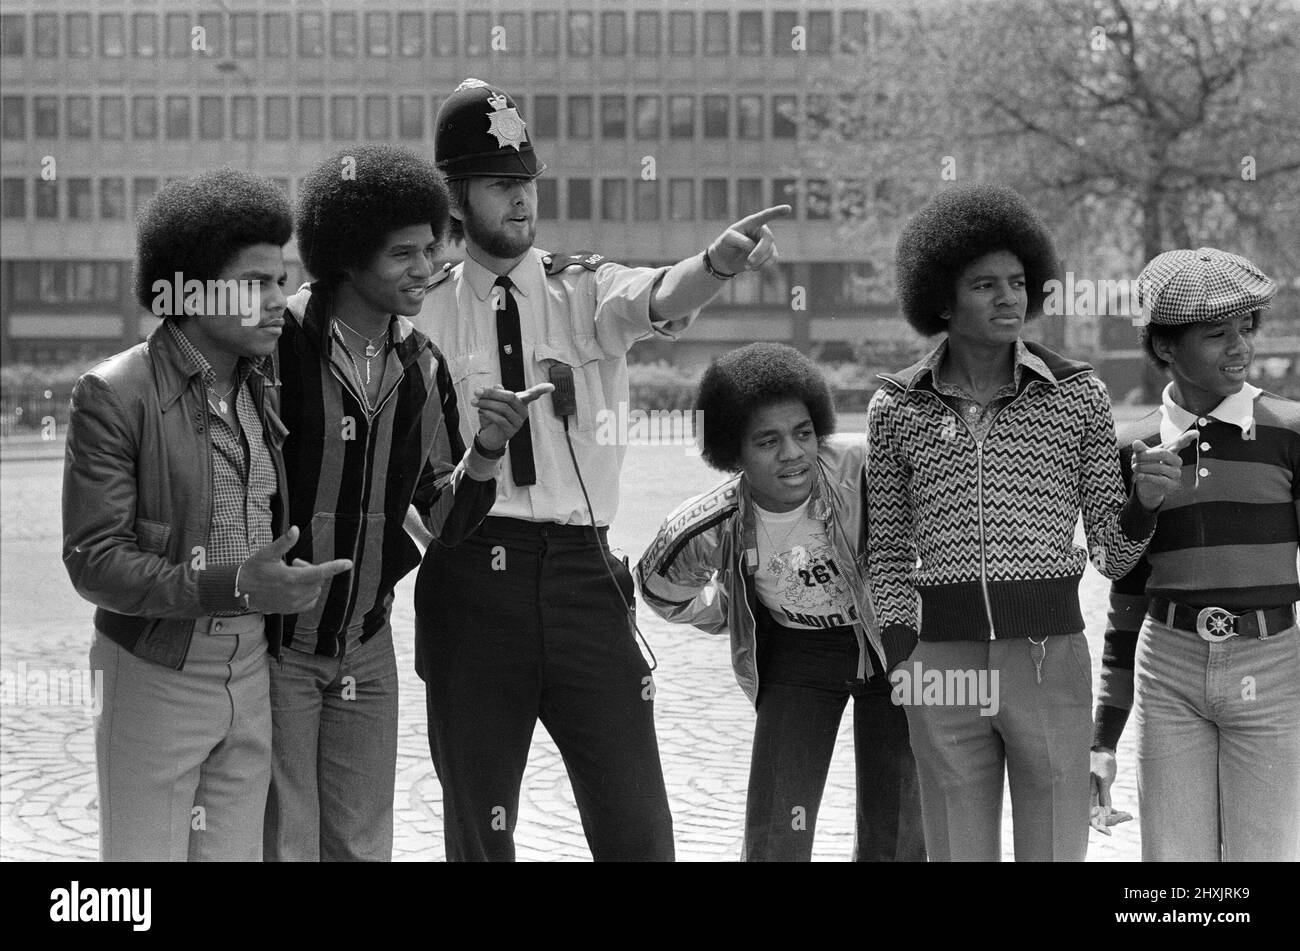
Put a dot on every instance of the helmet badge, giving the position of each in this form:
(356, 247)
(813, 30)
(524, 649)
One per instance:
(506, 124)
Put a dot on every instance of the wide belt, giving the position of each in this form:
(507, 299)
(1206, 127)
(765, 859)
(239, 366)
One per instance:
(1218, 624)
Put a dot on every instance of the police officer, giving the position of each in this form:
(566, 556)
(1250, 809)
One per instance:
(530, 617)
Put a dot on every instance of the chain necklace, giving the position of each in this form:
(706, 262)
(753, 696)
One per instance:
(797, 557)
(222, 406)
(370, 353)
(362, 388)
(371, 349)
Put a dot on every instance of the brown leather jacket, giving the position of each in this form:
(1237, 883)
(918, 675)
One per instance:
(137, 499)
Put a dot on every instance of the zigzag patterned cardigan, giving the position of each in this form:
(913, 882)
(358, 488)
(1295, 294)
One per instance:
(992, 523)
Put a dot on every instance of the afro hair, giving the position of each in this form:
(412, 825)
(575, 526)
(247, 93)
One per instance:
(954, 228)
(351, 202)
(744, 380)
(196, 226)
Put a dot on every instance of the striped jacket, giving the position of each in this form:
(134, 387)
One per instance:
(1227, 538)
(992, 522)
(352, 479)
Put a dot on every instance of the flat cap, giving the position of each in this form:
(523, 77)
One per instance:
(1201, 286)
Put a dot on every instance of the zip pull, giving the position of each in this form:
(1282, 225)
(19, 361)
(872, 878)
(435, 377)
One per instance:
(1038, 653)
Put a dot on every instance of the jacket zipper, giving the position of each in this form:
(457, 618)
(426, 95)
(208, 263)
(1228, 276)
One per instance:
(354, 586)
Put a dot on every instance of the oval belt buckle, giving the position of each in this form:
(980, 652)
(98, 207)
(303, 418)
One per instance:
(1216, 624)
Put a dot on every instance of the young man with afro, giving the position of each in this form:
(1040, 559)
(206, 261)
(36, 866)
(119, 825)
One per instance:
(175, 527)
(981, 457)
(1202, 642)
(773, 557)
(374, 428)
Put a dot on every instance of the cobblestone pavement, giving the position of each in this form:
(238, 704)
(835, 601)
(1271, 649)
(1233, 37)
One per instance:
(705, 724)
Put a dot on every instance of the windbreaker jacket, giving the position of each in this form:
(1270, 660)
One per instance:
(137, 498)
(699, 569)
(992, 521)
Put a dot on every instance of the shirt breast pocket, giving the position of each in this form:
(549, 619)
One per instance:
(471, 371)
(588, 388)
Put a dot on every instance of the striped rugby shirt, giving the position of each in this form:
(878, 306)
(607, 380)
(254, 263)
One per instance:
(352, 479)
(1227, 538)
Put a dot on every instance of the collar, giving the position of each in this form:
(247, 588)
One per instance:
(1024, 360)
(524, 276)
(182, 361)
(1238, 409)
(315, 303)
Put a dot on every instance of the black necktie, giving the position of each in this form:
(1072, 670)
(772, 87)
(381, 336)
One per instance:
(511, 347)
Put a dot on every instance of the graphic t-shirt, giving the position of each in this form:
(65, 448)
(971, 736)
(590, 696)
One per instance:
(799, 580)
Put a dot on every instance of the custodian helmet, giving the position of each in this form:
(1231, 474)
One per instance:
(480, 132)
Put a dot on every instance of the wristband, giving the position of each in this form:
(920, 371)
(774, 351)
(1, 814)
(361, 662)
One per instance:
(708, 266)
(487, 453)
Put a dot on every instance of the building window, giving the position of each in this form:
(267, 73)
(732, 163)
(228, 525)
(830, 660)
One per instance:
(243, 118)
(749, 196)
(13, 42)
(144, 34)
(46, 110)
(548, 199)
(478, 34)
(853, 31)
(717, 117)
(717, 34)
(579, 199)
(613, 199)
(546, 34)
(343, 34)
(647, 121)
(311, 117)
(13, 198)
(45, 30)
(112, 117)
(112, 199)
(512, 34)
(818, 200)
(13, 117)
(277, 117)
(212, 117)
(647, 200)
(144, 117)
(379, 35)
(444, 34)
(275, 35)
(579, 117)
(343, 118)
(243, 35)
(142, 192)
(783, 117)
(178, 117)
(47, 199)
(784, 23)
(819, 32)
(79, 44)
(580, 33)
(53, 278)
(24, 273)
(681, 33)
(613, 34)
(378, 121)
(176, 34)
(112, 35)
(613, 117)
(681, 117)
(785, 191)
(410, 117)
(714, 199)
(749, 117)
(546, 117)
(410, 34)
(213, 33)
(647, 33)
(79, 122)
(681, 199)
(750, 28)
(311, 35)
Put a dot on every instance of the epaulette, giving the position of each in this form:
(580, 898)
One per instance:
(439, 277)
(558, 263)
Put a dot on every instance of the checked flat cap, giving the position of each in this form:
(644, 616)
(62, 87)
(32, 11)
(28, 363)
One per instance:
(1202, 286)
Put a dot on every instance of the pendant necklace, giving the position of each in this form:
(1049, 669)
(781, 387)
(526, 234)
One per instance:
(222, 406)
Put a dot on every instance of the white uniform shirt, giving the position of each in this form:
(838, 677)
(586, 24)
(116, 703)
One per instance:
(583, 318)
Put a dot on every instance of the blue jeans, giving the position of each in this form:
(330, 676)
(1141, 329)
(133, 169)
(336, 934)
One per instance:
(334, 761)
(1218, 746)
(805, 680)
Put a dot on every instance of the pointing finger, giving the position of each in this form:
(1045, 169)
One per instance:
(760, 218)
(535, 392)
(1182, 442)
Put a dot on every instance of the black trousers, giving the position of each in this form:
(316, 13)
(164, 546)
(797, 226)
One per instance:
(805, 680)
(521, 622)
